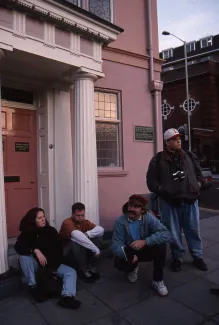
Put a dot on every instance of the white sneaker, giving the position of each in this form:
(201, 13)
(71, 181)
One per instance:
(160, 288)
(133, 276)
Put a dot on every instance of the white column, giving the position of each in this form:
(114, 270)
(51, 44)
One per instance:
(3, 230)
(85, 188)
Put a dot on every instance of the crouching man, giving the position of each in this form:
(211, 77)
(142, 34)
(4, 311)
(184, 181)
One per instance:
(140, 237)
(80, 239)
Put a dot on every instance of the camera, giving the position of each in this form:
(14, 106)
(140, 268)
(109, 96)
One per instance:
(178, 175)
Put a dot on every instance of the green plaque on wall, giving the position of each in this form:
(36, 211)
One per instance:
(143, 133)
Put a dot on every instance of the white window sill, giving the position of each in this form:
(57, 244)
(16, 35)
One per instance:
(111, 173)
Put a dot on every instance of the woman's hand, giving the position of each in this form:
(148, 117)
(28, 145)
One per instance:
(41, 258)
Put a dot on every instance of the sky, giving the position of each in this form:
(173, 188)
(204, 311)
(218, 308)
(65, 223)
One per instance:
(188, 19)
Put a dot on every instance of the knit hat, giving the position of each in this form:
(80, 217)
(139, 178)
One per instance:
(138, 200)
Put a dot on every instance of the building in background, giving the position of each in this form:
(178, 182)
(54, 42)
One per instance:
(203, 69)
(80, 104)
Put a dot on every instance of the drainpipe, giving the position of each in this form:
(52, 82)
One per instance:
(155, 86)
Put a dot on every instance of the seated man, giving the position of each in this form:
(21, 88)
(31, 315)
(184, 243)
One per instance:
(80, 238)
(140, 237)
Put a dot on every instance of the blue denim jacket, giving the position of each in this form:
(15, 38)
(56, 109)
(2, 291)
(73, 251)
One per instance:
(151, 229)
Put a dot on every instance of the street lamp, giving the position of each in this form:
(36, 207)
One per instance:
(165, 33)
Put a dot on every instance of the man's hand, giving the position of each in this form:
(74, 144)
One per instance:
(41, 258)
(135, 259)
(97, 256)
(138, 244)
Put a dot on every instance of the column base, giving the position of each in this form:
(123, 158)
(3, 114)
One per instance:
(10, 283)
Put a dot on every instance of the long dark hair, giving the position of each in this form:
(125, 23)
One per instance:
(28, 222)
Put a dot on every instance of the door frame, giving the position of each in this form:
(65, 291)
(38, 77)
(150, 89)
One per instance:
(32, 107)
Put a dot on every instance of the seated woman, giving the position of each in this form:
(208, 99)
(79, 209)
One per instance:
(39, 246)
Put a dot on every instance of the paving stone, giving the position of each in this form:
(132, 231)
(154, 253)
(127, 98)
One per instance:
(213, 277)
(216, 319)
(19, 310)
(159, 310)
(196, 295)
(90, 310)
(212, 252)
(110, 320)
(119, 294)
(189, 267)
(210, 234)
(171, 279)
(212, 222)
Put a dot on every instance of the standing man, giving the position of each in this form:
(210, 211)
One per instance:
(80, 239)
(140, 237)
(174, 175)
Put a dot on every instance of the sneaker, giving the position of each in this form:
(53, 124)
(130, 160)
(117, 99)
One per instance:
(86, 276)
(133, 276)
(69, 302)
(160, 288)
(93, 271)
(36, 294)
(200, 264)
(176, 265)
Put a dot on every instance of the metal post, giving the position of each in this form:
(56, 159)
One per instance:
(187, 96)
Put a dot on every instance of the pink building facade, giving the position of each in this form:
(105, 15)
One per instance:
(80, 104)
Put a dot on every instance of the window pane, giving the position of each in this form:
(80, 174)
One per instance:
(75, 2)
(101, 8)
(106, 105)
(107, 145)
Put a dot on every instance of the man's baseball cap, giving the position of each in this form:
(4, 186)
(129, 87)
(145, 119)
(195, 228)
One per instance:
(171, 133)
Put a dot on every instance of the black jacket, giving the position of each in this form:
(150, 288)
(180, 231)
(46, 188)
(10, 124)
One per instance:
(160, 180)
(46, 239)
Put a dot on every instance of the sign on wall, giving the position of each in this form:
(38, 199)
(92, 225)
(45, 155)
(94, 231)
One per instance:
(143, 133)
(22, 146)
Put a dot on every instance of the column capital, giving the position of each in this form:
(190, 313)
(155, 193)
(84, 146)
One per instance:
(84, 76)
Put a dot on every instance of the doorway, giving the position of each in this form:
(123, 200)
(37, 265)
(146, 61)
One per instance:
(20, 164)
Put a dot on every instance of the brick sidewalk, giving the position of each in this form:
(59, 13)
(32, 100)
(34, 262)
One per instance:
(114, 301)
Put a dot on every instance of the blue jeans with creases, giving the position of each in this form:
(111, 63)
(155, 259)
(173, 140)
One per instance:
(30, 266)
(186, 218)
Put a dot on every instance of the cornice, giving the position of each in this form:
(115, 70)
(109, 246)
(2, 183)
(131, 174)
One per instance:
(47, 16)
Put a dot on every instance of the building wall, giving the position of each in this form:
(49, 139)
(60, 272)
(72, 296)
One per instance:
(203, 87)
(136, 110)
(132, 17)
(131, 77)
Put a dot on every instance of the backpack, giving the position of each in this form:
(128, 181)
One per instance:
(48, 282)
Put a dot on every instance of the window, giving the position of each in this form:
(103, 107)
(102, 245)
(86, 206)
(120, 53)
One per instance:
(190, 46)
(192, 62)
(168, 69)
(101, 8)
(205, 42)
(107, 113)
(74, 2)
(166, 54)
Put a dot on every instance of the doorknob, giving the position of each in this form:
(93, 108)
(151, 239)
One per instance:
(32, 182)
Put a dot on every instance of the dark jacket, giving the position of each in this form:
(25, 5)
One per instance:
(160, 179)
(46, 239)
(151, 229)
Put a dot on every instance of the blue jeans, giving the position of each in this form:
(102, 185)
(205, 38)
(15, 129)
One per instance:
(186, 218)
(30, 266)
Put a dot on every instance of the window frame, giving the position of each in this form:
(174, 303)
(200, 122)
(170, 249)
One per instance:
(86, 5)
(170, 51)
(117, 121)
(189, 45)
(80, 3)
(206, 39)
